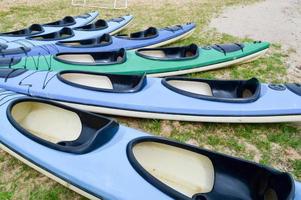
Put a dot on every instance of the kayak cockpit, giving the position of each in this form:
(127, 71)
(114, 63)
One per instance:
(98, 25)
(103, 82)
(32, 30)
(151, 32)
(240, 91)
(93, 58)
(170, 53)
(103, 40)
(228, 48)
(117, 19)
(60, 127)
(66, 21)
(187, 172)
(64, 33)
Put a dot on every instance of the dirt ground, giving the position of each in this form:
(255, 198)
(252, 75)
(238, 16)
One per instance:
(277, 21)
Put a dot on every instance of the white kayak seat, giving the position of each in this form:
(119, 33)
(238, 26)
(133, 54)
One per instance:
(170, 53)
(45, 121)
(193, 87)
(59, 127)
(234, 91)
(93, 58)
(89, 80)
(79, 58)
(103, 82)
(185, 171)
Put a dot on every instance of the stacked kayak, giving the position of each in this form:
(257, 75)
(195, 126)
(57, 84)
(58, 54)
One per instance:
(38, 29)
(100, 159)
(93, 30)
(152, 61)
(173, 98)
(151, 37)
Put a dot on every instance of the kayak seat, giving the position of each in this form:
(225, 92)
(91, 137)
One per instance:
(98, 25)
(94, 58)
(7, 62)
(151, 32)
(66, 21)
(170, 53)
(237, 91)
(64, 33)
(84, 16)
(187, 172)
(228, 48)
(103, 82)
(61, 128)
(32, 30)
(7, 73)
(103, 40)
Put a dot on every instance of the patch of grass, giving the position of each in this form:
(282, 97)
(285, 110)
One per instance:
(264, 143)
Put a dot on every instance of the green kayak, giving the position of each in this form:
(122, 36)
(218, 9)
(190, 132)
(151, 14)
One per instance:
(156, 62)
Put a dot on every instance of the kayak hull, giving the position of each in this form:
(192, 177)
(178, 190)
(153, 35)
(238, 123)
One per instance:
(134, 63)
(164, 36)
(112, 28)
(78, 172)
(79, 21)
(146, 102)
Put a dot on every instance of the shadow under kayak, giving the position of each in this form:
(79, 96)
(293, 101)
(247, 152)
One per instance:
(151, 37)
(38, 29)
(95, 29)
(155, 62)
(174, 98)
(100, 159)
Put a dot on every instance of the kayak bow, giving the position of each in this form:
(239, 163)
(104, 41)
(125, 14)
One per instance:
(155, 62)
(100, 159)
(173, 98)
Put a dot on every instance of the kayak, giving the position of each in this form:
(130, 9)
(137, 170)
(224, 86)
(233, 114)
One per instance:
(95, 29)
(38, 29)
(151, 37)
(155, 62)
(100, 159)
(172, 98)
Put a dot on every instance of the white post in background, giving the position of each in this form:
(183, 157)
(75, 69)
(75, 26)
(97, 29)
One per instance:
(115, 4)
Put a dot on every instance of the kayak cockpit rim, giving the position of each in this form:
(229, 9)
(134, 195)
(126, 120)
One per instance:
(149, 33)
(104, 40)
(169, 174)
(98, 25)
(64, 33)
(66, 21)
(170, 53)
(92, 58)
(60, 127)
(34, 29)
(103, 82)
(229, 91)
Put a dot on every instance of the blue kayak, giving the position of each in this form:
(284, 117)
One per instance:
(173, 98)
(38, 29)
(100, 159)
(95, 29)
(151, 37)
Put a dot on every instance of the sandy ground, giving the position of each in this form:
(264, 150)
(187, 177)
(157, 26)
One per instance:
(277, 21)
